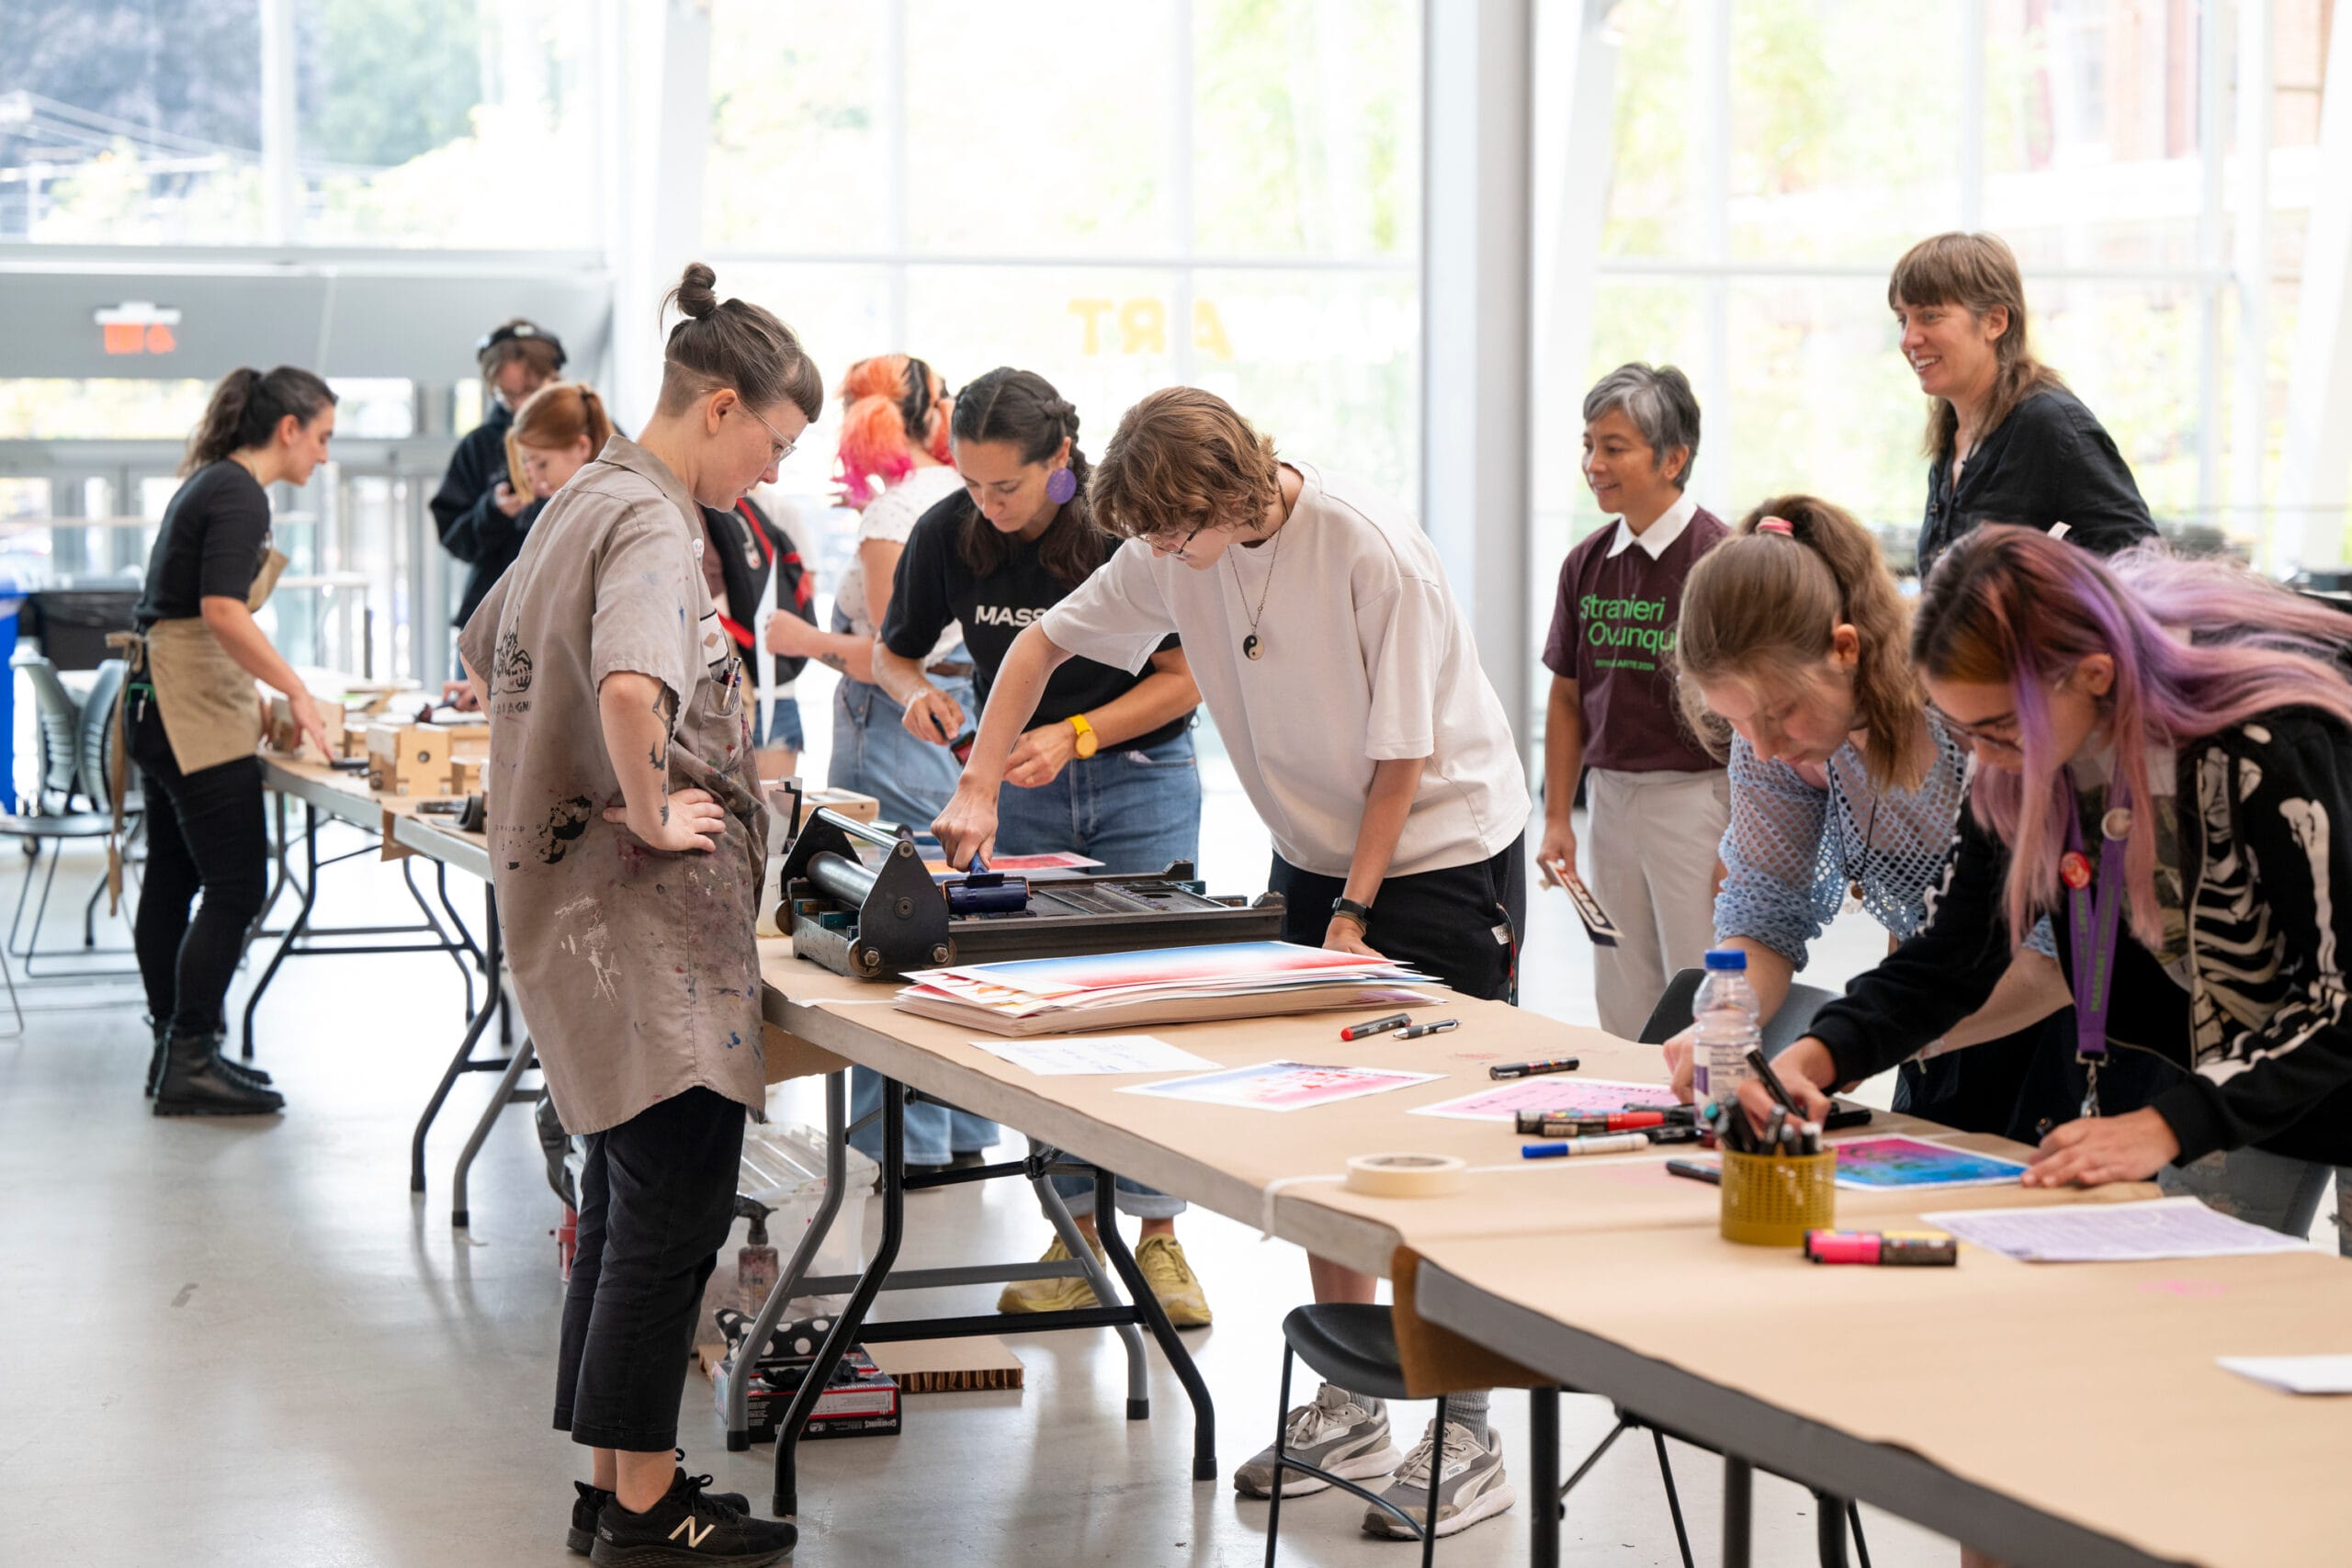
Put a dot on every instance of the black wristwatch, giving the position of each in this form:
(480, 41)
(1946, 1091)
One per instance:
(1360, 913)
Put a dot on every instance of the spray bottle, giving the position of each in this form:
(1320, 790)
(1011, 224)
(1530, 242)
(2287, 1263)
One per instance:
(756, 1262)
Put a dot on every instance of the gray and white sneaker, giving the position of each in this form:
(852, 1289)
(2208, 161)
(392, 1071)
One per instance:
(1470, 1486)
(1331, 1431)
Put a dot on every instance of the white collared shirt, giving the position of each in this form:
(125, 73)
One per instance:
(1655, 538)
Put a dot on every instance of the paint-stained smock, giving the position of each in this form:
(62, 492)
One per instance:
(637, 969)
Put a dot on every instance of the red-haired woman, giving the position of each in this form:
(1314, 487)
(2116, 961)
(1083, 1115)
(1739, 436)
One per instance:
(894, 468)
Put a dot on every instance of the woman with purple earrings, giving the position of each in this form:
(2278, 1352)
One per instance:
(2164, 748)
(1106, 768)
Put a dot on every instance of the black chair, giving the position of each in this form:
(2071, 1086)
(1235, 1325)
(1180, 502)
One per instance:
(46, 832)
(1354, 1345)
(95, 754)
(1782, 1030)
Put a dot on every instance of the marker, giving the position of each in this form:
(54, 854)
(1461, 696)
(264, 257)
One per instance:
(1571, 1124)
(1376, 1026)
(1623, 1143)
(1439, 1027)
(1772, 1084)
(1692, 1170)
(1672, 1135)
(1912, 1249)
(1530, 1069)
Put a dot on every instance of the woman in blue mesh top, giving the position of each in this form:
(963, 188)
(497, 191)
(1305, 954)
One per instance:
(1794, 662)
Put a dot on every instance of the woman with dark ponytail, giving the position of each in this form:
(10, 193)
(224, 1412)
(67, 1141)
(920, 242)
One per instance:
(608, 674)
(1106, 768)
(191, 723)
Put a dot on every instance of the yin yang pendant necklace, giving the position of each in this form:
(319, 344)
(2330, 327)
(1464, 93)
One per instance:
(1253, 646)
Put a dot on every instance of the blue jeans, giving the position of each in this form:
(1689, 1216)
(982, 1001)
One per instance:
(784, 727)
(1135, 811)
(873, 754)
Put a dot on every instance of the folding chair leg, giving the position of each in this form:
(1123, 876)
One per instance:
(1437, 1473)
(1281, 1426)
(1862, 1547)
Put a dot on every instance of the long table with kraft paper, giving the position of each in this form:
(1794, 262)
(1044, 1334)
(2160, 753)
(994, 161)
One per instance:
(1292, 1187)
(2043, 1412)
(399, 831)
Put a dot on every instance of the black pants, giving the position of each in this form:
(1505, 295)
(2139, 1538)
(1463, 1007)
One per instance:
(1459, 925)
(205, 835)
(656, 1201)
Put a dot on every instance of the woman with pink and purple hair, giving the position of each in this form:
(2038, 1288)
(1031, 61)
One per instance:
(2163, 752)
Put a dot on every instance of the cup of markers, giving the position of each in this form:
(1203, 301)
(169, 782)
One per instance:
(1778, 1180)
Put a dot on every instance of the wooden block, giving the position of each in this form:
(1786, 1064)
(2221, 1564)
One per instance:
(407, 758)
(846, 803)
(278, 732)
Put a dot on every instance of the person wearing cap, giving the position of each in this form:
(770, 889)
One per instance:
(480, 517)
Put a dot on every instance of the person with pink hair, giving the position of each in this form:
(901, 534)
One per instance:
(2162, 748)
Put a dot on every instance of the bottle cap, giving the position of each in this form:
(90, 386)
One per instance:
(1722, 959)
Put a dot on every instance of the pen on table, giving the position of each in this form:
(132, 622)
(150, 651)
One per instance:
(1569, 1125)
(1439, 1027)
(1692, 1171)
(1376, 1026)
(1620, 1143)
(1530, 1069)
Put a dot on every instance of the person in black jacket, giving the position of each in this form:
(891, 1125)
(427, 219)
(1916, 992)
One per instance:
(753, 552)
(2165, 767)
(2007, 442)
(476, 512)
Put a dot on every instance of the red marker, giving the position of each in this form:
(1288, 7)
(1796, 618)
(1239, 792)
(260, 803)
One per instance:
(1890, 1248)
(1537, 1124)
(1375, 1026)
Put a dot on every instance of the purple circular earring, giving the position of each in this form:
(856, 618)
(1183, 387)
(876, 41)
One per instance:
(1061, 487)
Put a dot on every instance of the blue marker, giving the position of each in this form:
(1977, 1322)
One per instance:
(1614, 1144)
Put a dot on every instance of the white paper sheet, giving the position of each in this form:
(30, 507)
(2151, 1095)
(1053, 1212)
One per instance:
(1065, 1056)
(2112, 1232)
(1563, 1092)
(2295, 1374)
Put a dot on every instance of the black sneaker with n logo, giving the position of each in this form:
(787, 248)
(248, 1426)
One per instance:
(690, 1528)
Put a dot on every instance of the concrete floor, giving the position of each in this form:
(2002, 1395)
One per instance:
(247, 1343)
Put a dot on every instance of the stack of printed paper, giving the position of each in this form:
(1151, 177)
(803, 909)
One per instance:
(1176, 985)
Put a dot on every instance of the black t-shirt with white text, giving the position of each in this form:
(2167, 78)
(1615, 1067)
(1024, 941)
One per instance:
(214, 536)
(935, 586)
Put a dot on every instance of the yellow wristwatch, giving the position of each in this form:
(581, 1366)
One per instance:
(1088, 741)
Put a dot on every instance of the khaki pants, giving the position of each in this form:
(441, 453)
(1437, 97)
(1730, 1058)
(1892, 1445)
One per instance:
(1650, 841)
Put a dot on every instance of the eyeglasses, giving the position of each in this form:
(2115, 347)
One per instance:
(783, 448)
(2000, 732)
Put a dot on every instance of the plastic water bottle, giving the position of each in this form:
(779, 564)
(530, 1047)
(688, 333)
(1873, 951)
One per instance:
(1725, 1011)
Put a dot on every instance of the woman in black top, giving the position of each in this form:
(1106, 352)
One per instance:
(2007, 442)
(192, 725)
(1107, 770)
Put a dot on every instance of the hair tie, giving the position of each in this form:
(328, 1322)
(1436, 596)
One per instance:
(1777, 526)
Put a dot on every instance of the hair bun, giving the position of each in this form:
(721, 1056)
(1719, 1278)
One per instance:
(696, 294)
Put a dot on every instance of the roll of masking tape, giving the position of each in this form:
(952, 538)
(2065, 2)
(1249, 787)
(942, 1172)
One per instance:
(1407, 1176)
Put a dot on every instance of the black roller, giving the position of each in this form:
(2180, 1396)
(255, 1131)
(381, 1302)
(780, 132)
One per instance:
(840, 877)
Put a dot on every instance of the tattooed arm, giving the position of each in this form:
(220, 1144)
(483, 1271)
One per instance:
(635, 713)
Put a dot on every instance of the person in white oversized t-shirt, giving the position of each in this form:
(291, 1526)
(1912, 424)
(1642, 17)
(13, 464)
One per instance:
(1344, 680)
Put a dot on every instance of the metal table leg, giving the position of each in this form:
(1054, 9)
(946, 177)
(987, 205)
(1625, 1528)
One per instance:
(1106, 1225)
(1059, 1216)
(786, 1501)
(1739, 1498)
(300, 923)
(1544, 1462)
(463, 1060)
(787, 1284)
(500, 1098)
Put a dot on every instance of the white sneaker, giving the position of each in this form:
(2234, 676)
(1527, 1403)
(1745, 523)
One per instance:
(1470, 1487)
(1333, 1432)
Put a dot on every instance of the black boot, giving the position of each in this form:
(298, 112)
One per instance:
(155, 1062)
(196, 1082)
(249, 1076)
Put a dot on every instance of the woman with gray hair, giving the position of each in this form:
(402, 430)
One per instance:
(1658, 801)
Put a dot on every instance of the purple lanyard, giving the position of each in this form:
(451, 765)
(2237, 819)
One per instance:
(2093, 918)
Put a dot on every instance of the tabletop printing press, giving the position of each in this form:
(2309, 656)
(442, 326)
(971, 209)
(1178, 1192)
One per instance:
(860, 901)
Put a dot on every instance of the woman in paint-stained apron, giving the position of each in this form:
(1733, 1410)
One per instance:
(627, 846)
(191, 720)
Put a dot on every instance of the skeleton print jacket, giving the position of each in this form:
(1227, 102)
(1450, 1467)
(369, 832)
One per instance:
(2247, 1005)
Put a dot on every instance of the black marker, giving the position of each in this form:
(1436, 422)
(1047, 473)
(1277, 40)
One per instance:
(1376, 1026)
(1420, 1029)
(1530, 1069)
(1692, 1170)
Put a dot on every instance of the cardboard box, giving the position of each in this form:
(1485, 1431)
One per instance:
(979, 1364)
(278, 732)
